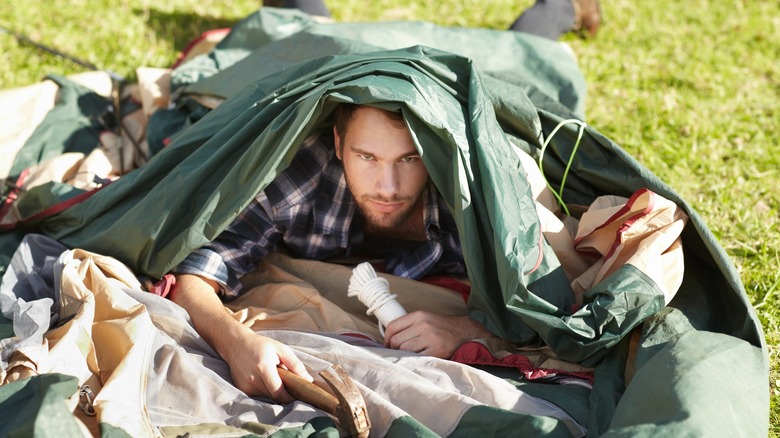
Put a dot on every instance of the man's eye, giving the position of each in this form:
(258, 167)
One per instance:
(365, 157)
(409, 159)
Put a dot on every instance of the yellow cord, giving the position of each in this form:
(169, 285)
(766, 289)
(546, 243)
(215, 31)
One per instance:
(559, 195)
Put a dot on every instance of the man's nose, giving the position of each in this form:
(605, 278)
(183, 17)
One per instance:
(388, 182)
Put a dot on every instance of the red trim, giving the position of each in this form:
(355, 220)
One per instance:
(626, 223)
(450, 283)
(541, 254)
(475, 353)
(55, 209)
(12, 195)
(195, 41)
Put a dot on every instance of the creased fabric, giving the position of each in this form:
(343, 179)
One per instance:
(151, 371)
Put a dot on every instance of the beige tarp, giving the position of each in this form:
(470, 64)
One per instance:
(152, 374)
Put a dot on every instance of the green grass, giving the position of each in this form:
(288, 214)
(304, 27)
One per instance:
(689, 87)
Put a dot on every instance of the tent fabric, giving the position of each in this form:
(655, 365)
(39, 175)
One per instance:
(281, 76)
(140, 354)
(75, 122)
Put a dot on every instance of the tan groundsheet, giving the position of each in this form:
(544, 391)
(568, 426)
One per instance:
(153, 375)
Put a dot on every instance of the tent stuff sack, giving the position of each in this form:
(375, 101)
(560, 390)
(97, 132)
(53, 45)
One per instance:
(616, 311)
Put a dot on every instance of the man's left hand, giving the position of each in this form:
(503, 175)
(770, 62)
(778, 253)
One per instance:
(433, 334)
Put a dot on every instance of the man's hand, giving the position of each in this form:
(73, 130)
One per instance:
(433, 334)
(253, 365)
(253, 359)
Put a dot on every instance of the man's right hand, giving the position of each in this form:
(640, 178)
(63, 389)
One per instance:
(253, 366)
(253, 359)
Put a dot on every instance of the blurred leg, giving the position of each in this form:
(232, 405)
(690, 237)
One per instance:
(553, 18)
(311, 7)
(546, 18)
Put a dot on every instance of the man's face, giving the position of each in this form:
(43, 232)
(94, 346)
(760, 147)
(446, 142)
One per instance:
(382, 168)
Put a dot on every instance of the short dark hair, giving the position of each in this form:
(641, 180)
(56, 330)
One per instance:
(343, 116)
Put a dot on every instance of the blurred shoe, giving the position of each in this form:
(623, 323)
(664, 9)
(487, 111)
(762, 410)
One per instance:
(587, 17)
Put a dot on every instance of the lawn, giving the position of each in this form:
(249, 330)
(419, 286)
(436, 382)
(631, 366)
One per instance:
(689, 87)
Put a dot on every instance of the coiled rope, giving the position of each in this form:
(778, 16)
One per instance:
(374, 292)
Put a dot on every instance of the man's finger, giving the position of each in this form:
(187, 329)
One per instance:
(398, 325)
(416, 345)
(269, 377)
(289, 360)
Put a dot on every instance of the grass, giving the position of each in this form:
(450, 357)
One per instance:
(689, 87)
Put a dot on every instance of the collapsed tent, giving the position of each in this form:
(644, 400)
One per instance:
(652, 340)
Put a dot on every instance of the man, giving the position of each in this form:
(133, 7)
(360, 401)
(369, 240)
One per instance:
(368, 192)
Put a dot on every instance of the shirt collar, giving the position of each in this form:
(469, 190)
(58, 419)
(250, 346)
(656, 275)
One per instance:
(431, 218)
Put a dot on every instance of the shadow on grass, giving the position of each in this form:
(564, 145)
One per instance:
(183, 27)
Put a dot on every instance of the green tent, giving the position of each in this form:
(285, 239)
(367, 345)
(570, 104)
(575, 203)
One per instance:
(281, 74)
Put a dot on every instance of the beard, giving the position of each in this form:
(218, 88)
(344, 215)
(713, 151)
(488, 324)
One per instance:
(386, 223)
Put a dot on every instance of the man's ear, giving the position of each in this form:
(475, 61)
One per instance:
(337, 142)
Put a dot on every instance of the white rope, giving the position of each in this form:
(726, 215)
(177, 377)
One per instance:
(374, 292)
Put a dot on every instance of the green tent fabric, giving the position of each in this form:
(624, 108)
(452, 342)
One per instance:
(467, 112)
(73, 125)
(542, 67)
(36, 406)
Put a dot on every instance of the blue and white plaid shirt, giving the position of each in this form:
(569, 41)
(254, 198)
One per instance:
(309, 210)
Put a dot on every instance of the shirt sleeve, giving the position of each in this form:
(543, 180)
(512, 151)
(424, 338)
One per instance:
(237, 250)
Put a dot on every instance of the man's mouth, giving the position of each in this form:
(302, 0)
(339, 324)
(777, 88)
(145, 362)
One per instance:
(386, 207)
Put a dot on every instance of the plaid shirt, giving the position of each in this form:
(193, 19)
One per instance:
(309, 210)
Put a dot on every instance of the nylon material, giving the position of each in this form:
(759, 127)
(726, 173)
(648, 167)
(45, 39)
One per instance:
(71, 350)
(70, 119)
(188, 197)
(527, 300)
(218, 401)
(661, 258)
(421, 378)
(660, 329)
(451, 180)
(560, 66)
(119, 330)
(266, 66)
(437, 382)
(26, 296)
(619, 305)
(486, 421)
(691, 359)
(527, 53)
(639, 232)
(528, 226)
(252, 32)
(41, 406)
(22, 110)
(38, 198)
(518, 127)
(671, 284)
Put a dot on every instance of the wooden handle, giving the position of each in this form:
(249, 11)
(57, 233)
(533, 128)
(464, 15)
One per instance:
(308, 392)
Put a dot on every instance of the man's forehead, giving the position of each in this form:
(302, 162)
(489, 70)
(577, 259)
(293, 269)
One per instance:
(369, 136)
